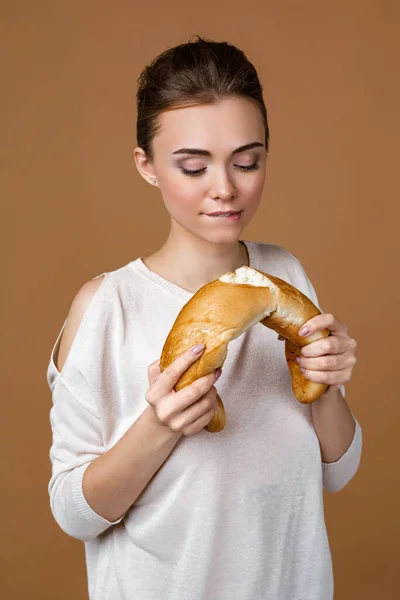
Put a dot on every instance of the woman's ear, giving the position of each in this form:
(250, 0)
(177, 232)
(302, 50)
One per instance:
(144, 166)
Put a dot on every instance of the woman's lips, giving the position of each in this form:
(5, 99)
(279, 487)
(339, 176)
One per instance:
(227, 217)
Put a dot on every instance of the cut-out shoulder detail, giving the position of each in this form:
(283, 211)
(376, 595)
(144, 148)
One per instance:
(76, 312)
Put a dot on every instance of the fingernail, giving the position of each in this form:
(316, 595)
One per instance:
(304, 331)
(218, 373)
(197, 349)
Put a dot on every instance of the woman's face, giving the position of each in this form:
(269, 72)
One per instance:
(201, 166)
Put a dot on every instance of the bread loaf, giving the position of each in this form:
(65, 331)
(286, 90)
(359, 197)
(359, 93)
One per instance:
(223, 309)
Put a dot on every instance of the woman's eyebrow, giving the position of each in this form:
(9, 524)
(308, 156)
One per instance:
(198, 151)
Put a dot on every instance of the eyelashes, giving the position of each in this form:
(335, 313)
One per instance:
(198, 172)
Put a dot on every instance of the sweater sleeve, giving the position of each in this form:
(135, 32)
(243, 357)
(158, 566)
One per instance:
(77, 441)
(336, 475)
(77, 432)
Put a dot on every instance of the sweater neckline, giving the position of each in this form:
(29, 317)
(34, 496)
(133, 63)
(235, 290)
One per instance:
(176, 290)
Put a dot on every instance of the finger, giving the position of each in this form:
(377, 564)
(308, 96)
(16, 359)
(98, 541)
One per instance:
(199, 423)
(190, 394)
(329, 377)
(327, 345)
(323, 321)
(191, 398)
(153, 371)
(171, 375)
(329, 362)
(194, 411)
(334, 344)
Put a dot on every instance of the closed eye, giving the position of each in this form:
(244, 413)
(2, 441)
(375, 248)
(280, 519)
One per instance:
(198, 172)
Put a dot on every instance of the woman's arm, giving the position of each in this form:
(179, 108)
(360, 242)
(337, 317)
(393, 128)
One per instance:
(334, 424)
(113, 481)
(340, 439)
(330, 361)
(91, 489)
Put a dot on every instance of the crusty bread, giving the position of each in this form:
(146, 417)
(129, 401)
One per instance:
(223, 309)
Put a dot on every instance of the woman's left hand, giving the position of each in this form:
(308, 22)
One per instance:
(331, 359)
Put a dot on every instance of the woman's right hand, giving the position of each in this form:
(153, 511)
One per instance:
(190, 409)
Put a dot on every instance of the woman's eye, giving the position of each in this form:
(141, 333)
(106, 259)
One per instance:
(193, 173)
(197, 172)
(252, 167)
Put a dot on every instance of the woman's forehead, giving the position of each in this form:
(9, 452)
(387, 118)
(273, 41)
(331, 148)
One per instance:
(226, 125)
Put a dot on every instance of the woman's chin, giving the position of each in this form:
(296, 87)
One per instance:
(221, 237)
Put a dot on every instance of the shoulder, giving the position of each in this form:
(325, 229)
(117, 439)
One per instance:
(277, 255)
(277, 260)
(76, 312)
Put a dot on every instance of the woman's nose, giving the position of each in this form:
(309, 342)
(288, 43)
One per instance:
(222, 186)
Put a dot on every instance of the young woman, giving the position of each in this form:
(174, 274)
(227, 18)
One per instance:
(166, 509)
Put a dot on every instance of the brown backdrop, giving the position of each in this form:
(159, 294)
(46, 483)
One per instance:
(74, 206)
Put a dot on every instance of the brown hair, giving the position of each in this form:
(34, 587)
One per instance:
(197, 72)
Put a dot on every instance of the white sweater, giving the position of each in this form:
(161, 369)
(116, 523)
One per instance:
(234, 515)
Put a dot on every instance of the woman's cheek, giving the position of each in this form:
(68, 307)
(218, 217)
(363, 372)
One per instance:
(185, 195)
(180, 200)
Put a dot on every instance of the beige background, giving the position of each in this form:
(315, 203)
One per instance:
(74, 206)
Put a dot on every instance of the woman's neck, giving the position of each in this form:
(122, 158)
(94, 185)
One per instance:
(192, 266)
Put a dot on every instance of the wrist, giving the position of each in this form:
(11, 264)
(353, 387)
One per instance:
(332, 391)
